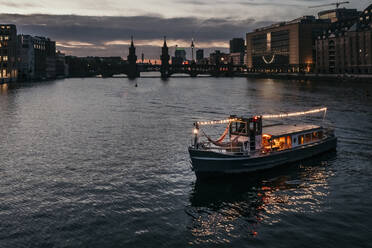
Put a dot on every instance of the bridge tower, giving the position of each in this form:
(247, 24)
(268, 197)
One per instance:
(192, 50)
(164, 67)
(132, 69)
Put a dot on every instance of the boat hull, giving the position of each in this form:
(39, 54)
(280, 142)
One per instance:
(207, 163)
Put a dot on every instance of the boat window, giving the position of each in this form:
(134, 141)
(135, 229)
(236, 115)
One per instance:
(251, 126)
(281, 143)
(289, 141)
(239, 128)
(308, 138)
(301, 139)
(294, 140)
(258, 128)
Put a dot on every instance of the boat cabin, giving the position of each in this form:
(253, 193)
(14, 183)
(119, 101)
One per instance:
(282, 137)
(248, 135)
(247, 132)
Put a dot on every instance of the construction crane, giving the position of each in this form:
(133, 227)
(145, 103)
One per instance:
(337, 4)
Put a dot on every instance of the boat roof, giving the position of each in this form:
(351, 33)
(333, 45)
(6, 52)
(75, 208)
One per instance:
(281, 130)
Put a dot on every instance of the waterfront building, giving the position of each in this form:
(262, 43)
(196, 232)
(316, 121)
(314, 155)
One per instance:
(8, 53)
(284, 47)
(61, 66)
(346, 47)
(26, 53)
(37, 57)
(237, 45)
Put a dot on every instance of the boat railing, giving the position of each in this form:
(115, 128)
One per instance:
(226, 149)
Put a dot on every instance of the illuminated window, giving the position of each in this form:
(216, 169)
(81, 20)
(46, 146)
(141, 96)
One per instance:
(301, 139)
(6, 37)
(268, 41)
(5, 58)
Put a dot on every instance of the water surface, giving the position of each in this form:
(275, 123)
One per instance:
(102, 163)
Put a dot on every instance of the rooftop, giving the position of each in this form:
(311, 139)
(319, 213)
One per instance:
(280, 130)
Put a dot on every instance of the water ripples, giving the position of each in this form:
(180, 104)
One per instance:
(101, 163)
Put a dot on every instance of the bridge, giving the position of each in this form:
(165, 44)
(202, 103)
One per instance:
(132, 69)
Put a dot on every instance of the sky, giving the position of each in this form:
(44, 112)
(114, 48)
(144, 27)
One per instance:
(103, 28)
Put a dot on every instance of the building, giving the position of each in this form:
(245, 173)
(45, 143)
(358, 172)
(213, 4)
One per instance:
(236, 58)
(37, 57)
(218, 58)
(237, 45)
(8, 53)
(339, 14)
(346, 47)
(61, 66)
(179, 56)
(45, 50)
(199, 55)
(26, 53)
(284, 47)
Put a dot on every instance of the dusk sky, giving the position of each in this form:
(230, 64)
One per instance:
(103, 28)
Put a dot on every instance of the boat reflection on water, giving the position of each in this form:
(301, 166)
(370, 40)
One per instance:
(3, 88)
(223, 212)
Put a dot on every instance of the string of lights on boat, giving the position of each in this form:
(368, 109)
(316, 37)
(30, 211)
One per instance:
(284, 115)
(313, 111)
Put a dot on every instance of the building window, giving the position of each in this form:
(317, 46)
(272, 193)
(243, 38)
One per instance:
(268, 40)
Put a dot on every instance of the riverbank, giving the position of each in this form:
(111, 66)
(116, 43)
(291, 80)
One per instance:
(311, 76)
(289, 76)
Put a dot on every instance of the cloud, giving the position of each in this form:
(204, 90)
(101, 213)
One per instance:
(88, 32)
(18, 5)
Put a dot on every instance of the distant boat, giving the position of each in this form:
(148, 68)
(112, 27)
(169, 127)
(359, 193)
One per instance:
(250, 146)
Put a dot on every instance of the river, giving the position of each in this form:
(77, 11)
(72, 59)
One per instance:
(101, 163)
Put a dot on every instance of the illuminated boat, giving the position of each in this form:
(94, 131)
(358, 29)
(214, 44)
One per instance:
(251, 146)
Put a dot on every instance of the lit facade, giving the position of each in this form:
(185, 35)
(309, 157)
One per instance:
(8, 53)
(284, 47)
